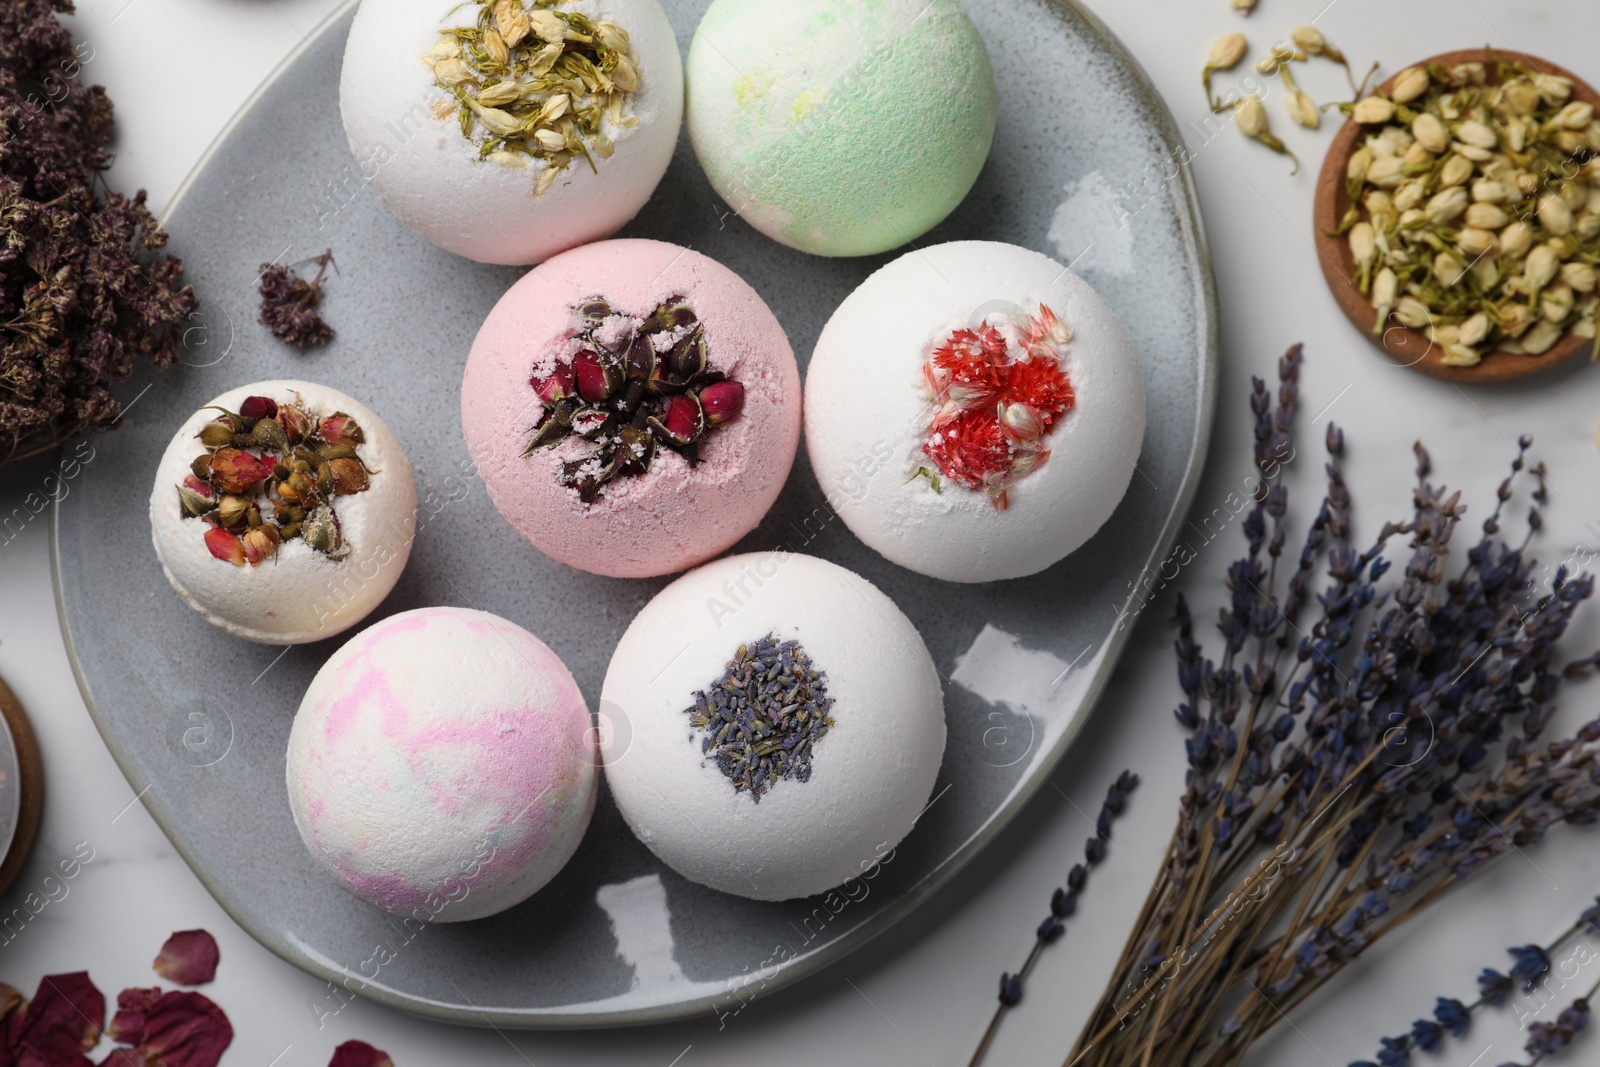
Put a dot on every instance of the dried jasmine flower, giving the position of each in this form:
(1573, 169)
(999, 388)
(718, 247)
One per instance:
(763, 717)
(1251, 118)
(1226, 52)
(289, 302)
(270, 473)
(631, 386)
(85, 292)
(189, 957)
(1476, 209)
(536, 84)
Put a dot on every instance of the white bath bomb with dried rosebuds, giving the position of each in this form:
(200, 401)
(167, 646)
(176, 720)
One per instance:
(772, 725)
(288, 592)
(472, 139)
(974, 411)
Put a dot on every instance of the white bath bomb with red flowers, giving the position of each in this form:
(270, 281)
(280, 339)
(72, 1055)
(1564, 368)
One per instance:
(283, 511)
(974, 411)
(509, 131)
(633, 407)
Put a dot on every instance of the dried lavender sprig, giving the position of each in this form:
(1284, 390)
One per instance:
(1063, 904)
(1452, 1017)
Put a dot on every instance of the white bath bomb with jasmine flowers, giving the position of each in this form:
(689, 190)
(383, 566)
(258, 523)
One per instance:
(974, 411)
(456, 132)
(310, 576)
(776, 725)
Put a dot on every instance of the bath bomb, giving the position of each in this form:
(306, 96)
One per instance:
(633, 407)
(442, 765)
(507, 131)
(839, 127)
(974, 411)
(283, 561)
(777, 725)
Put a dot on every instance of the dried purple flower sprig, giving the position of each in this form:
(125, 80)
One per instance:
(289, 302)
(85, 292)
(1348, 769)
(1063, 904)
(1451, 1017)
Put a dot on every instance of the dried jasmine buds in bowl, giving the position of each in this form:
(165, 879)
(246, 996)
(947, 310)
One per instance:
(1475, 208)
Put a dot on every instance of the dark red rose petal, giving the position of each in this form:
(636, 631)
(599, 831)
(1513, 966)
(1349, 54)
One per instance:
(132, 1006)
(189, 958)
(67, 1005)
(185, 1029)
(359, 1054)
(124, 1057)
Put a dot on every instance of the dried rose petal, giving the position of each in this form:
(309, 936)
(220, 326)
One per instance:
(132, 1006)
(258, 407)
(359, 1054)
(234, 470)
(124, 1057)
(189, 958)
(66, 1010)
(225, 546)
(185, 1029)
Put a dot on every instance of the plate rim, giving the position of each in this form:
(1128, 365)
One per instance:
(276, 941)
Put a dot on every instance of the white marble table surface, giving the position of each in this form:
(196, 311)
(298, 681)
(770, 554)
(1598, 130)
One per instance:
(178, 69)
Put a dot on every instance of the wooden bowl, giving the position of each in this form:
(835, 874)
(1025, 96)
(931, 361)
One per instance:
(30, 789)
(1412, 348)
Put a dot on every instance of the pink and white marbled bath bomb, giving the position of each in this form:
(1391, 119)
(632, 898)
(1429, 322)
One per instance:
(442, 766)
(674, 516)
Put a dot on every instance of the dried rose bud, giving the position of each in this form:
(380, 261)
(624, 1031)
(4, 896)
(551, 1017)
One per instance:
(642, 359)
(234, 470)
(269, 434)
(295, 421)
(359, 1054)
(225, 546)
(558, 386)
(722, 401)
(127, 1025)
(321, 531)
(232, 510)
(197, 497)
(349, 476)
(596, 379)
(258, 407)
(689, 356)
(260, 543)
(341, 429)
(216, 434)
(682, 422)
(189, 957)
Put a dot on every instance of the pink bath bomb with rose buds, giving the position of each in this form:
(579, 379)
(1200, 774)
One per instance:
(633, 407)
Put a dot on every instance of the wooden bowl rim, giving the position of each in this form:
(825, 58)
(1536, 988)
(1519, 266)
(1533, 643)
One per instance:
(1398, 342)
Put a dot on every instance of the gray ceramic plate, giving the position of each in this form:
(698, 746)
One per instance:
(1084, 168)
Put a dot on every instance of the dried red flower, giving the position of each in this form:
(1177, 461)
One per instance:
(258, 407)
(233, 470)
(359, 1054)
(184, 1029)
(225, 546)
(189, 958)
(996, 393)
(723, 402)
(64, 1019)
(340, 429)
(133, 1004)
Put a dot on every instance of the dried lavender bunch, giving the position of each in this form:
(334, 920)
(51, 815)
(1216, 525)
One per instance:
(1531, 963)
(84, 292)
(289, 302)
(1348, 769)
(1063, 904)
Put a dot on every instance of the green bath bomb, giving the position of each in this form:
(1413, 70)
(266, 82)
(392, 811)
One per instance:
(841, 127)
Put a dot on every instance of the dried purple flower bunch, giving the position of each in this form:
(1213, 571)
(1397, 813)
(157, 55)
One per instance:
(289, 302)
(1534, 972)
(1063, 904)
(84, 292)
(1354, 753)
